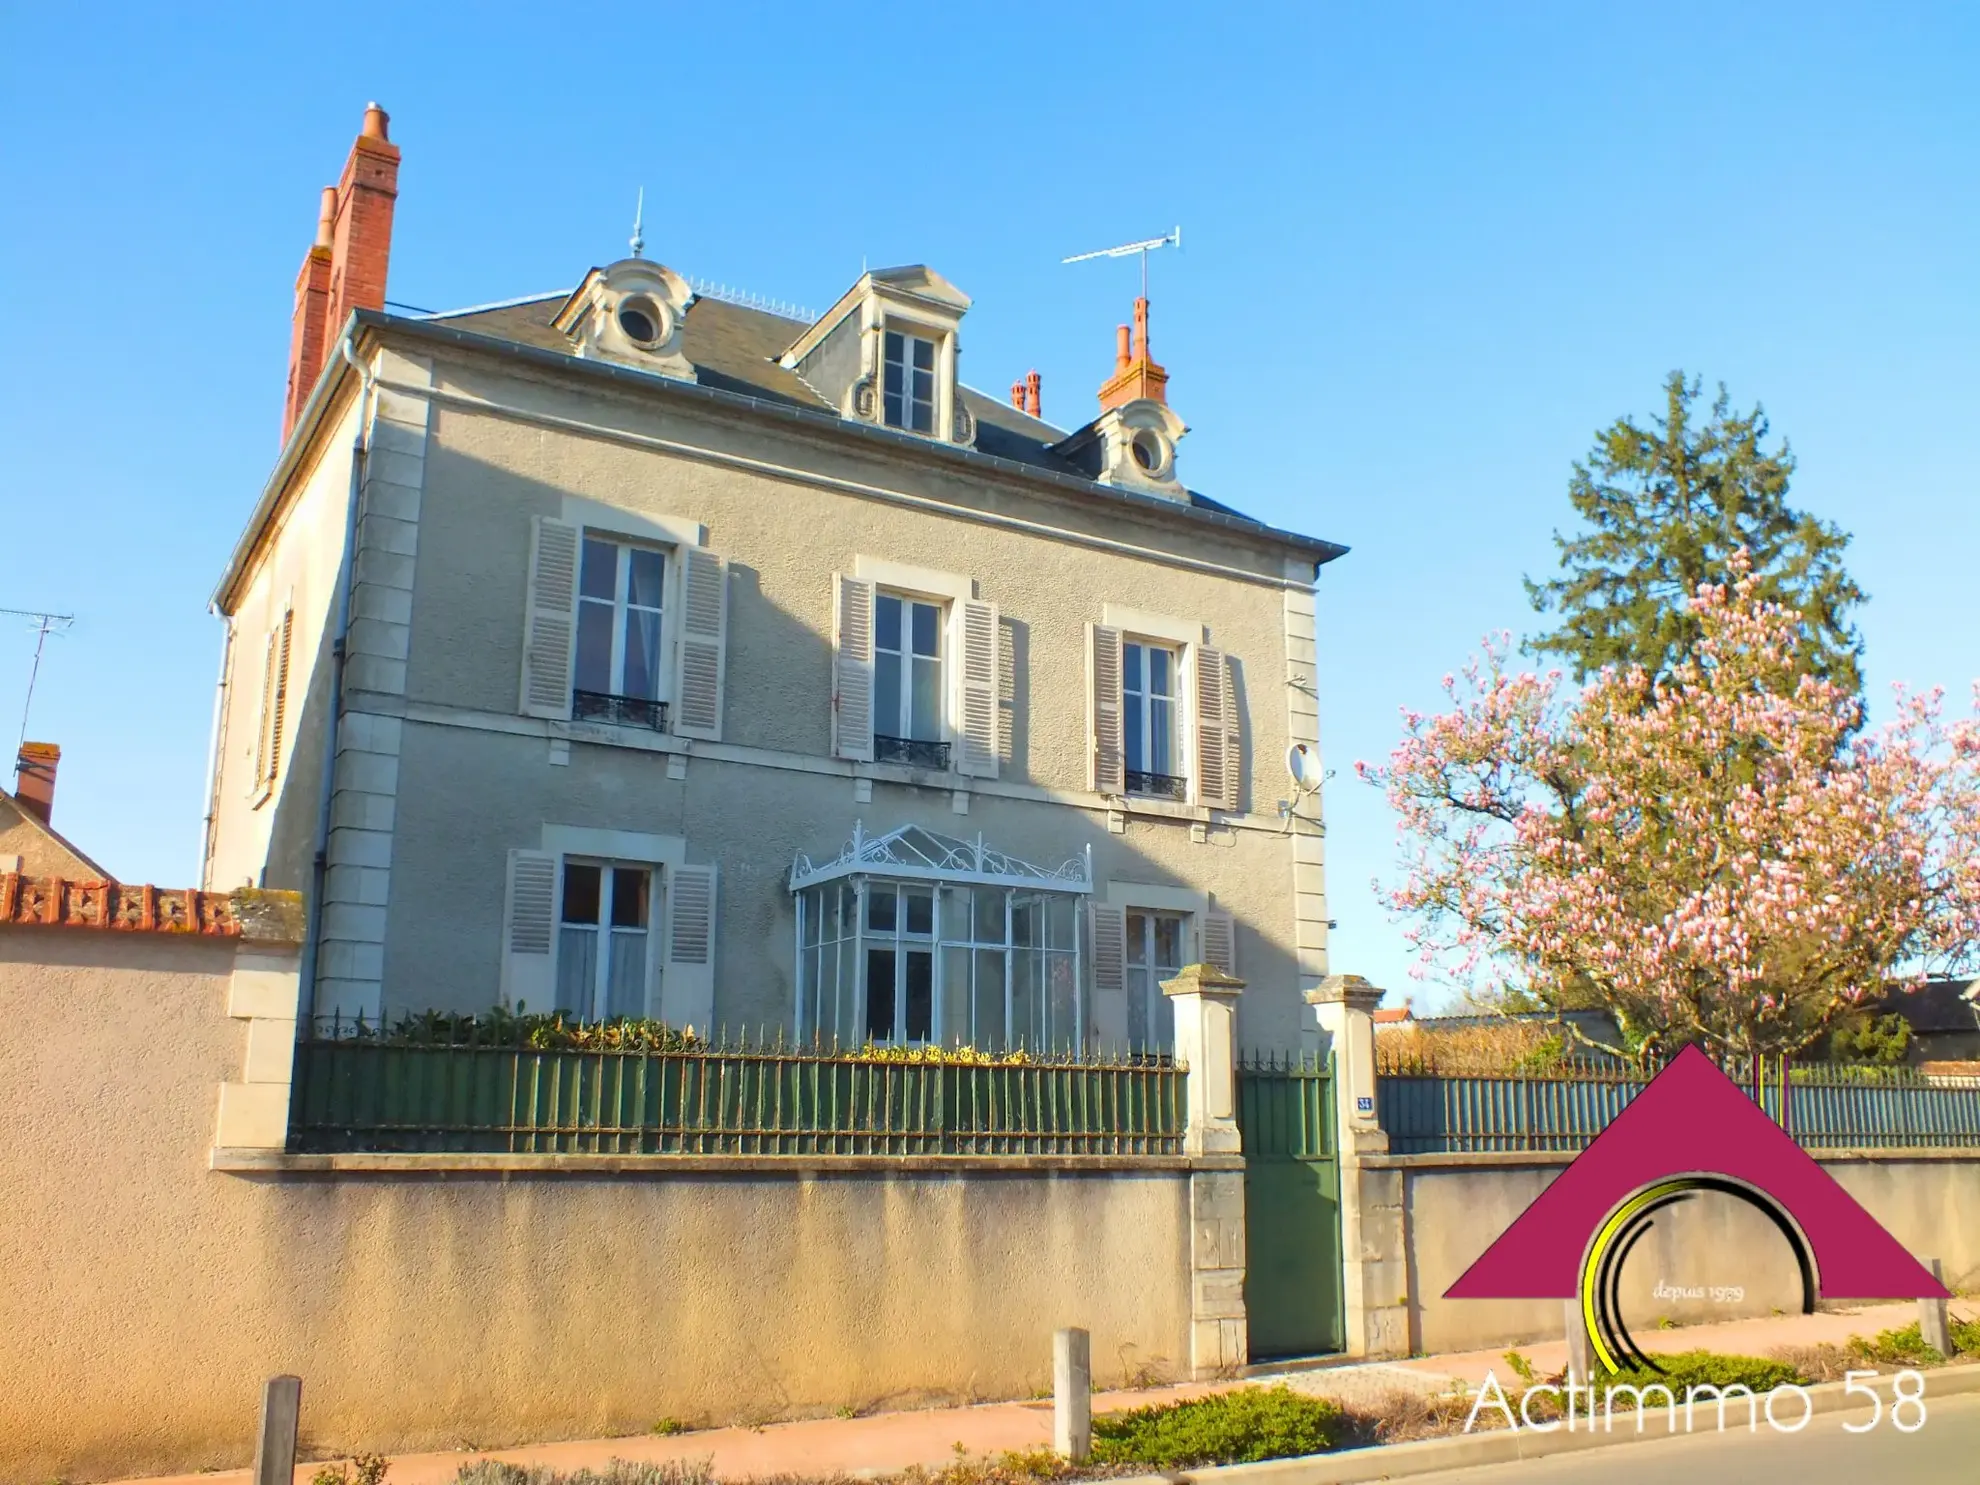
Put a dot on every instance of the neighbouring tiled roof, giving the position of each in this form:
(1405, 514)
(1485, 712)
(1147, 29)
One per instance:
(735, 348)
(1936, 1007)
(53, 902)
(34, 822)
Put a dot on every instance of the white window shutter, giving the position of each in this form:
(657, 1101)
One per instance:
(1220, 941)
(529, 932)
(703, 644)
(1233, 738)
(1106, 928)
(687, 981)
(270, 651)
(279, 709)
(550, 619)
(978, 667)
(852, 672)
(1103, 708)
(1207, 675)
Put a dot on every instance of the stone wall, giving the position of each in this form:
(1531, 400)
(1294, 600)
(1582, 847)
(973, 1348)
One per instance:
(154, 1280)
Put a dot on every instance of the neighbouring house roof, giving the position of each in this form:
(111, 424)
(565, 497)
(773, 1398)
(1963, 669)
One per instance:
(43, 849)
(55, 902)
(1935, 1008)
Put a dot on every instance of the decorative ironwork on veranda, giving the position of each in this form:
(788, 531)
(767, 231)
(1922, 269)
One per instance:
(913, 851)
(1566, 1104)
(464, 1085)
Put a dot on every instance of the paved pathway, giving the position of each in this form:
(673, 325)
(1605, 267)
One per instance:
(891, 1442)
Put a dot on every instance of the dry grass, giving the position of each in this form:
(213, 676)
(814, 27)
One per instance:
(1468, 1051)
(1403, 1415)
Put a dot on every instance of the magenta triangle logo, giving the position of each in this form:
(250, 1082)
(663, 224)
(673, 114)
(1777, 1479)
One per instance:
(1690, 1131)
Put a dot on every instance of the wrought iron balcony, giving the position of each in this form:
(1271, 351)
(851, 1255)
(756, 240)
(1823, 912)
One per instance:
(911, 751)
(1161, 785)
(624, 711)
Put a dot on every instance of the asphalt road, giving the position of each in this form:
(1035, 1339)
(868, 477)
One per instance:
(1946, 1451)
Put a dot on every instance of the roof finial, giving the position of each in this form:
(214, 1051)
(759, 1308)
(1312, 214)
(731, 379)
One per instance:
(639, 217)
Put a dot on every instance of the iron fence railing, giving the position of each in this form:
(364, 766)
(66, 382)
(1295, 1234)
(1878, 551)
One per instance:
(1564, 1108)
(1161, 785)
(915, 751)
(628, 711)
(441, 1089)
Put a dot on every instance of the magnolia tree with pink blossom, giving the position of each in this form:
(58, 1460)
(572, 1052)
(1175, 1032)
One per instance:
(1723, 855)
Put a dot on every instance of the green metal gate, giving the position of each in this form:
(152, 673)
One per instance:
(1292, 1206)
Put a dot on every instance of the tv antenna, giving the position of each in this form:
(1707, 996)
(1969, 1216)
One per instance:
(44, 625)
(1171, 239)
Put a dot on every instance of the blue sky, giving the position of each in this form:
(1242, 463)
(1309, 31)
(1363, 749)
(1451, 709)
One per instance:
(1429, 250)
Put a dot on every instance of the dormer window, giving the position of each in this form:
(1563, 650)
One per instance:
(908, 391)
(641, 320)
(887, 352)
(631, 312)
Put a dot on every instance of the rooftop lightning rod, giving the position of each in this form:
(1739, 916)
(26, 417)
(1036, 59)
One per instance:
(45, 625)
(1172, 239)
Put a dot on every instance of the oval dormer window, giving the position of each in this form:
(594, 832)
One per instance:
(641, 320)
(1148, 451)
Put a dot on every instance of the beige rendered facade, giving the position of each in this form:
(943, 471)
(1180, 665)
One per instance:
(626, 650)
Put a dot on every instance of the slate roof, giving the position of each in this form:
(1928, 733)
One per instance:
(1937, 1007)
(734, 348)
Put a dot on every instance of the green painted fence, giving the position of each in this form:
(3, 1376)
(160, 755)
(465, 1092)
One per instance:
(1825, 1108)
(387, 1094)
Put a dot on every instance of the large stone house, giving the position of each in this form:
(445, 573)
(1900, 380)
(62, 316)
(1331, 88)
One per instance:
(638, 651)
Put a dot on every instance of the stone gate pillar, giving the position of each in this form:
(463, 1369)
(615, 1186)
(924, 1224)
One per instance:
(1205, 1002)
(1374, 1273)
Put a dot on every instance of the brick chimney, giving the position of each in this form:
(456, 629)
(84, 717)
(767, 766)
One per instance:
(1032, 382)
(1136, 375)
(1017, 395)
(34, 779)
(312, 313)
(345, 267)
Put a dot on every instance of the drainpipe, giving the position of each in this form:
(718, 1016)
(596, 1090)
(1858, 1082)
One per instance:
(346, 576)
(215, 741)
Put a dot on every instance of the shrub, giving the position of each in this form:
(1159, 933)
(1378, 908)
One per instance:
(362, 1469)
(1906, 1346)
(1237, 1427)
(1703, 1369)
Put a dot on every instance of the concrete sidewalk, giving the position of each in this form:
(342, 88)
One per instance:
(889, 1442)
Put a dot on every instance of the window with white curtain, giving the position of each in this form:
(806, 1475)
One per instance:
(1157, 944)
(604, 940)
(620, 611)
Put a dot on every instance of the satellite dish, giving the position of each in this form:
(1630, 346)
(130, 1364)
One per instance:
(1303, 763)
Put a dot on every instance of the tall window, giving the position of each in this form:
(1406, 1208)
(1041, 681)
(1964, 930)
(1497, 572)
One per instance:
(1148, 719)
(621, 602)
(908, 390)
(907, 682)
(900, 963)
(603, 940)
(1155, 948)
